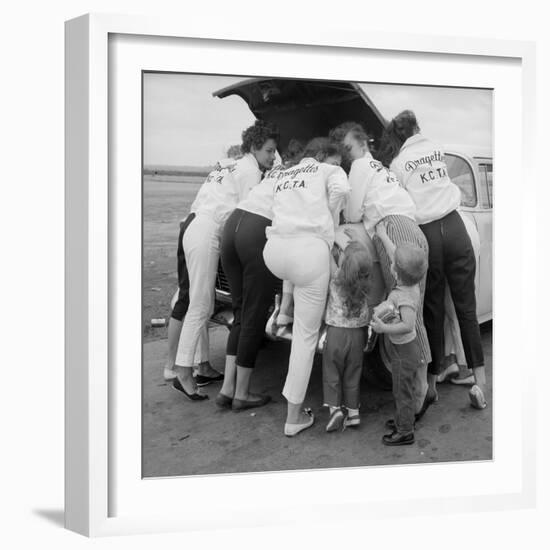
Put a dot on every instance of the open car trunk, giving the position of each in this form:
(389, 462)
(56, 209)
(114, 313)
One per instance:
(303, 109)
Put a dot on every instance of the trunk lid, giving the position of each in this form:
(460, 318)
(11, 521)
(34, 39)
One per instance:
(303, 109)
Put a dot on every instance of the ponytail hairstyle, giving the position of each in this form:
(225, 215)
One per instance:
(352, 278)
(399, 130)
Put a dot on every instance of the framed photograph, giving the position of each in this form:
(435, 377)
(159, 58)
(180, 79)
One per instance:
(153, 111)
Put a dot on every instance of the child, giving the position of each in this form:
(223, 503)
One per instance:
(347, 317)
(409, 264)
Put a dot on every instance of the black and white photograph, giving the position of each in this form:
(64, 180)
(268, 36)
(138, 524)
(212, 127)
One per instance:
(316, 274)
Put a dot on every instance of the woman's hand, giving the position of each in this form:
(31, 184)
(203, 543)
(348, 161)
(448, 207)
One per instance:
(348, 232)
(351, 235)
(381, 229)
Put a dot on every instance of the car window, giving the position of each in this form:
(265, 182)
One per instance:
(486, 184)
(461, 174)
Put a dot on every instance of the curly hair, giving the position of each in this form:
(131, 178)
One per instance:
(352, 278)
(399, 130)
(320, 148)
(257, 134)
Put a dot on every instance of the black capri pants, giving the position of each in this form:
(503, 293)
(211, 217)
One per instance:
(182, 304)
(451, 257)
(251, 283)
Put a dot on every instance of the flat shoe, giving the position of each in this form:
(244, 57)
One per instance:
(466, 381)
(352, 421)
(205, 380)
(223, 401)
(449, 373)
(477, 399)
(169, 374)
(241, 405)
(396, 438)
(294, 429)
(176, 384)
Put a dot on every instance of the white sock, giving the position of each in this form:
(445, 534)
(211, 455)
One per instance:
(353, 412)
(332, 409)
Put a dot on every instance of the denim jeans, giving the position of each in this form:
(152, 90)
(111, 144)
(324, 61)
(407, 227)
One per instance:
(406, 359)
(342, 366)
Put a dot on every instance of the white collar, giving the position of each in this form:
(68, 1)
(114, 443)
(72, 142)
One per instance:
(412, 140)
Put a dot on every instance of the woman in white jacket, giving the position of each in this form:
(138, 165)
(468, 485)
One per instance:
(306, 199)
(216, 199)
(420, 166)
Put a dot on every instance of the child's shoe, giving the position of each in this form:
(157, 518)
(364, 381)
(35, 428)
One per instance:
(395, 438)
(352, 421)
(336, 420)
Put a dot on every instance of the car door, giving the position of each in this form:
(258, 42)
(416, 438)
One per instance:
(476, 204)
(484, 222)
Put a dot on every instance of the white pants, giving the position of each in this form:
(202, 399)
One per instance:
(201, 244)
(304, 261)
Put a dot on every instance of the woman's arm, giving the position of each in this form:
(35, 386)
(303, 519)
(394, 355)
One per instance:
(386, 241)
(407, 323)
(358, 178)
(337, 187)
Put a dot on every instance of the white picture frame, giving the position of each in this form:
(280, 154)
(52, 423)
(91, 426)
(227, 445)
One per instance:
(95, 486)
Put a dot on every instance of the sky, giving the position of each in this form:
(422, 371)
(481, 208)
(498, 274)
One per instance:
(183, 124)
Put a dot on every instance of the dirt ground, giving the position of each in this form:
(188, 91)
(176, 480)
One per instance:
(184, 438)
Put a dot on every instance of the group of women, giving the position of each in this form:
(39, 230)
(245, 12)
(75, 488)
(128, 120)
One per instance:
(278, 222)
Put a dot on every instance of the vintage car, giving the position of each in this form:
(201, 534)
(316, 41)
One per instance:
(303, 109)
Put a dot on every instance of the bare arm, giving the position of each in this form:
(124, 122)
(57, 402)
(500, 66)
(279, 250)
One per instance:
(407, 323)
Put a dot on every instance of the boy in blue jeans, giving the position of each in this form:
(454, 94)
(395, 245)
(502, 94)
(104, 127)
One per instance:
(409, 265)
